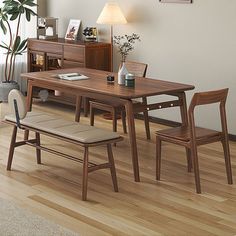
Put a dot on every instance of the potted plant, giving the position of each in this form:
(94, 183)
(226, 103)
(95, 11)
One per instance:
(13, 10)
(125, 45)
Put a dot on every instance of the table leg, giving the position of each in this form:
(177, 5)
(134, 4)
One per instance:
(183, 108)
(28, 104)
(78, 108)
(132, 138)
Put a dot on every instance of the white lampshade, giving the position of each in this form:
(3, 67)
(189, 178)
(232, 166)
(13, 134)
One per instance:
(111, 14)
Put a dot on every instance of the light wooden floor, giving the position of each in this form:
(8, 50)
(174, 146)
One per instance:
(168, 207)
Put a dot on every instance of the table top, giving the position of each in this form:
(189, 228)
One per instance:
(97, 82)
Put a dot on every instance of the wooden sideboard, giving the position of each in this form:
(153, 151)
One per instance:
(60, 53)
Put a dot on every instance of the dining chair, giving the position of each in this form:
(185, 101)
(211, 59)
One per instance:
(139, 70)
(191, 136)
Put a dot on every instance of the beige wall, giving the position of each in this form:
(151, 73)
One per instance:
(42, 8)
(189, 43)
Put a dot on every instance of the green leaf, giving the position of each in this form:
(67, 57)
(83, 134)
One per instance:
(3, 27)
(11, 2)
(14, 16)
(22, 45)
(30, 3)
(32, 12)
(16, 43)
(4, 17)
(3, 46)
(27, 14)
(24, 49)
(12, 10)
(21, 9)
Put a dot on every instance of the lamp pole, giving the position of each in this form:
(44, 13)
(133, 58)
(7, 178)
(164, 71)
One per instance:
(112, 15)
(111, 47)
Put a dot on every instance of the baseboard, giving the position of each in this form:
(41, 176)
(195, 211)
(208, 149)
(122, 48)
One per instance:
(232, 137)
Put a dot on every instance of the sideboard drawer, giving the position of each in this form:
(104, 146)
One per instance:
(72, 64)
(45, 47)
(74, 53)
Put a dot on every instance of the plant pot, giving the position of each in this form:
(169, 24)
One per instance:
(5, 88)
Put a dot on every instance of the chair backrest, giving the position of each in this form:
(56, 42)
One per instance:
(16, 97)
(136, 68)
(210, 97)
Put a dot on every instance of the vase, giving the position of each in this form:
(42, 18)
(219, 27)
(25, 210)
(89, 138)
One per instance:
(5, 88)
(122, 73)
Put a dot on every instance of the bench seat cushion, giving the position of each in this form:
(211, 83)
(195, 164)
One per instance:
(65, 128)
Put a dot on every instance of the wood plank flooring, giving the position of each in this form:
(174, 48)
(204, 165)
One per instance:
(169, 207)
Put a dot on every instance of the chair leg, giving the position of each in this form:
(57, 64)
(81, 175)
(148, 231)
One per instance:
(225, 145)
(124, 122)
(12, 148)
(112, 167)
(158, 158)
(189, 159)
(114, 120)
(91, 115)
(85, 175)
(86, 106)
(146, 120)
(38, 151)
(196, 169)
(78, 108)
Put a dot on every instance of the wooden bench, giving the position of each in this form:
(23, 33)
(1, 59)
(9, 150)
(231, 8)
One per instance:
(69, 131)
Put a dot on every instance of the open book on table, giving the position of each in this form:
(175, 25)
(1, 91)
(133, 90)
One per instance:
(72, 76)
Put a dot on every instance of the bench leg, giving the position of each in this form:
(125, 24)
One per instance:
(12, 148)
(26, 135)
(85, 175)
(112, 167)
(38, 151)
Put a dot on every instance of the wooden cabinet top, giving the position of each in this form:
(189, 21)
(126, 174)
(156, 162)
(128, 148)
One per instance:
(70, 42)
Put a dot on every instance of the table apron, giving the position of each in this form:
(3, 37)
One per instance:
(158, 105)
(77, 91)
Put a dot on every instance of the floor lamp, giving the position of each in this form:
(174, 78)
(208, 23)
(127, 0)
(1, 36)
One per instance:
(111, 15)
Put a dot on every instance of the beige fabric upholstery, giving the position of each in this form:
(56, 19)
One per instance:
(21, 104)
(54, 125)
(68, 129)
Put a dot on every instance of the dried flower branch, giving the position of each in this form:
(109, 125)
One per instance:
(125, 44)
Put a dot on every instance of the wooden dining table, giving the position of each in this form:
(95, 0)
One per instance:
(97, 87)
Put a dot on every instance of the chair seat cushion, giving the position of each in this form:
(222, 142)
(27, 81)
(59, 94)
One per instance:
(183, 133)
(64, 128)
